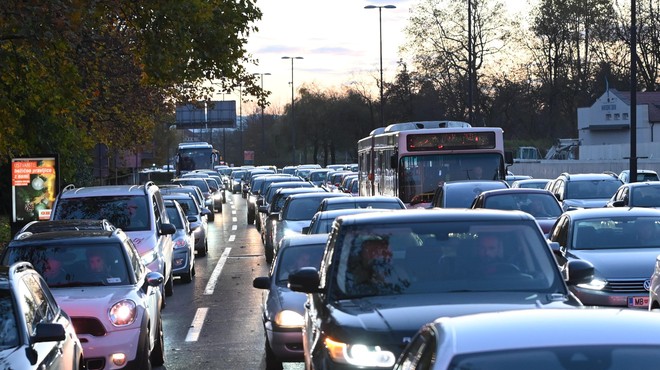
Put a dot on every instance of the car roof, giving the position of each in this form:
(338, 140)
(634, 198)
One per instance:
(107, 190)
(641, 183)
(332, 214)
(64, 238)
(304, 240)
(292, 191)
(54, 225)
(316, 194)
(436, 215)
(590, 176)
(516, 191)
(549, 327)
(364, 199)
(474, 183)
(607, 212)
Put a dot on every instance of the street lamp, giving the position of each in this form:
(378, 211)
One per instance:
(263, 130)
(380, 25)
(293, 129)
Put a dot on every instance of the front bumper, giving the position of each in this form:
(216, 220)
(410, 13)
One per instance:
(120, 341)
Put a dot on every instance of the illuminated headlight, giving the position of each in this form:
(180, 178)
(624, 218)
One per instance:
(289, 319)
(123, 313)
(594, 284)
(217, 196)
(149, 257)
(180, 243)
(359, 354)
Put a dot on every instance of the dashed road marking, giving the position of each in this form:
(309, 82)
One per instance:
(210, 286)
(197, 324)
(234, 219)
(234, 227)
(232, 238)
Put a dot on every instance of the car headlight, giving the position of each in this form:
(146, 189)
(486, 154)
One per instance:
(217, 196)
(289, 319)
(359, 354)
(594, 284)
(123, 313)
(180, 243)
(149, 257)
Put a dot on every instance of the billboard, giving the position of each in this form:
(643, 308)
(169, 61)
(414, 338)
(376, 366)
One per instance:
(34, 183)
(206, 114)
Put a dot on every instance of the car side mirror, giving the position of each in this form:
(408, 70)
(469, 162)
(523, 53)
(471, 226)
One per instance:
(261, 282)
(154, 278)
(305, 280)
(206, 211)
(194, 225)
(48, 332)
(618, 203)
(555, 248)
(263, 209)
(579, 272)
(167, 229)
(305, 230)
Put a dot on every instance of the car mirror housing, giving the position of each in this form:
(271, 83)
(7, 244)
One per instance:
(305, 280)
(49, 332)
(154, 278)
(579, 272)
(261, 282)
(167, 229)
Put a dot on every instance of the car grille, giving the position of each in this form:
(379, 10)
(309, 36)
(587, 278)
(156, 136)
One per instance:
(626, 286)
(88, 325)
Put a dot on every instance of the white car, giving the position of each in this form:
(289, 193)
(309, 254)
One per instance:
(115, 309)
(608, 338)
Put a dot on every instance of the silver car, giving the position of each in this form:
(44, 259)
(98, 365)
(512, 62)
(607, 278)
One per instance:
(612, 339)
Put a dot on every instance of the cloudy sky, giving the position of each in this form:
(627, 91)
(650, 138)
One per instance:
(338, 39)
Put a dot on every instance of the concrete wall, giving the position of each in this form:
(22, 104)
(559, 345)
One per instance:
(550, 169)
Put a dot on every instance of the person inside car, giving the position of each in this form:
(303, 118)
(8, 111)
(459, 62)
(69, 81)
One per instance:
(375, 271)
(53, 272)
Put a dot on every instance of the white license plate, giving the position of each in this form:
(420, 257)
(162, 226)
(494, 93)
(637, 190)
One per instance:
(638, 302)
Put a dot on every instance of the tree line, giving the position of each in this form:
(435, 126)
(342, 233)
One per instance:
(77, 73)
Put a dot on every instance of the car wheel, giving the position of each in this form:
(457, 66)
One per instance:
(269, 255)
(272, 362)
(212, 216)
(194, 272)
(250, 218)
(157, 357)
(202, 252)
(143, 355)
(169, 286)
(187, 277)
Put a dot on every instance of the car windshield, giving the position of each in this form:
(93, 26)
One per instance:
(126, 212)
(302, 208)
(427, 257)
(617, 233)
(356, 202)
(601, 357)
(462, 196)
(200, 183)
(74, 266)
(8, 329)
(188, 205)
(645, 196)
(291, 259)
(538, 205)
(591, 189)
(175, 217)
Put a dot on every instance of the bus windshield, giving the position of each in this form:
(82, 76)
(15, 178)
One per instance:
(421, 174)
(193, 159)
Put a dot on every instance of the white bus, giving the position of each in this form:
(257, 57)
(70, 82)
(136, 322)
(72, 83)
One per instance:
(195, 156)
(409, 160)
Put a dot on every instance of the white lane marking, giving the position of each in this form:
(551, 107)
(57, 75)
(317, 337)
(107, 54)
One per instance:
(234, 219)
(233, 211)
(232, 238)
(196, 325)
(210, 286)
(234, 227)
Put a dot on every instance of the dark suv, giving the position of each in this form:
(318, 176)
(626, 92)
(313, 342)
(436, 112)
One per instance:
(584, 190)
(385, 274)
(37, 333)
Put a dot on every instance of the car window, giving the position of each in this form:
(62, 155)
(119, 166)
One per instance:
(134, 260)
(75, 268)
(291, 259)
(591, 189)
(175, 217)
(302, 208)
(33, 310)
(8, 328)
(200, 183)
(130, 213)
(618, 233)
(431, 258)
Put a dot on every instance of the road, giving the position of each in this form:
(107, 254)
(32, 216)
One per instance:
(214, 322)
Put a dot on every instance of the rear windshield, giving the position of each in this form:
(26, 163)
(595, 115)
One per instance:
(129, 213)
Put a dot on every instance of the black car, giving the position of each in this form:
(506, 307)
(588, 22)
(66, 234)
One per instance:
(36, 333)
(385, 274)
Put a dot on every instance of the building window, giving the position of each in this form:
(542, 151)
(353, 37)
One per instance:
(608, 117)
(617, 116)
(624, 115)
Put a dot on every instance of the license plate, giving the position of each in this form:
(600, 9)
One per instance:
(638, 302)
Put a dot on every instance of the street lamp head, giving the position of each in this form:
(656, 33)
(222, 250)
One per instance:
(380, 6)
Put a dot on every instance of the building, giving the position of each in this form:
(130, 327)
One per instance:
(604, 127)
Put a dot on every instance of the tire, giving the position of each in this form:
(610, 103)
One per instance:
(187, 277)
(157, 356)
(169, 286)
(272, 362)
(250, 218)
(142, 359)
(212, 216)
(202, 252)
(194, 272)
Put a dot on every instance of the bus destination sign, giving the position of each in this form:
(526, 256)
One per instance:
(451, 141)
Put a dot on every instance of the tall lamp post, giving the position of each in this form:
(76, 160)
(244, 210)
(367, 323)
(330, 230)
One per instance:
(263, 130)
(380, 25)
(293, 129)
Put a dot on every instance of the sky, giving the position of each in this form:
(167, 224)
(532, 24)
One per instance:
(338, 41)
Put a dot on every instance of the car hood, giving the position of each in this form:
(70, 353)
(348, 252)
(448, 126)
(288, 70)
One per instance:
(144, 241)
(391, 320)
(290, 300)
(621, 263)
(93, 301)
(585, 203)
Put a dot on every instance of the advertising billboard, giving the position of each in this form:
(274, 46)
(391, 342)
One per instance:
(34, 184)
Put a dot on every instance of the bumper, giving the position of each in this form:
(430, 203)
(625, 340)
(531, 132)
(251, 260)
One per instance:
(286, 345)
(590, 297)
(181, 262)
(122, 341)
